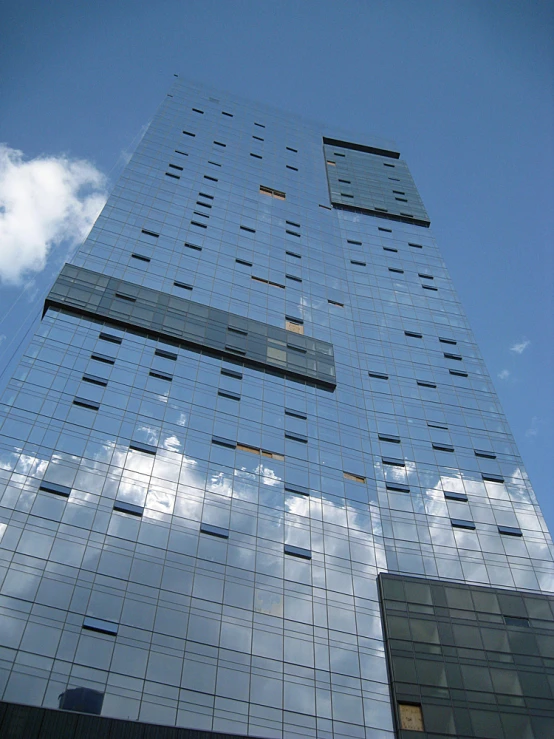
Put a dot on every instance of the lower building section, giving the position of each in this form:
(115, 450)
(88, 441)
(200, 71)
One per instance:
(28, 722)
(468, 661)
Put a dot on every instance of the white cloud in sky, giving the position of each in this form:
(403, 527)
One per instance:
(504, 374)
(44, 202)
(520, 346)
(534, 428)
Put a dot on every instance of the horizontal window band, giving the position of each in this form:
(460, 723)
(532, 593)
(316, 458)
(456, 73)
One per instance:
(215, 164)
(390, 248)
(458, 497)
(160, 375)
(447, 341)
(178, 320)
(91, 405)
(294, 278)
(393, 487)
(510, 531)
(292, 233)
(430, 287)
(184, 153)
(415, 246)
(293, 254)
(434, 425)
(150, 233)
(229, 115)
(182, 285)
(413, 334)
(484, 454)
(196, 110)
(336, 302)
(205, 195)
(358, 264)
(382, 213)
(141, 446)
(218, 143)
(289, 148)
(298, 489)
(110, 337)
(458, 373)
(256, 156)
(99, 625)
(141, 258)
(211, 179)
(461, 523)
(123, 507)
(53, 487)
(95, 380)
(294, 169)
(102, 358)
(424, 383)
(175, 176)
(228, 394)
(425, 276)
(218, 531)
(389, 438)
(193, 246)
(292, 223)
(516, 621)
(165, 354)
(351, 241)
(248, 229)
(244, 262)
(449, 355)
(295, 413)
(188, 133)
(128, 298)
(197, 223)
(239, 331)
(395, 269)
(297, 551)
(378, 375)
(338, 144)
(388, 230)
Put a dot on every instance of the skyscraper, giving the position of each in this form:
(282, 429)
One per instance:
(255, 478)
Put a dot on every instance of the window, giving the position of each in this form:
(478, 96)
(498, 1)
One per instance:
(435, 425)
(292, 223)
(140, 257)
(357, 264)
(102, 358)
(462, 523)
(430, 287)
(248, 229)
(296, 437)
(218, 143)
(352, 476)
(150, 233)
(346, 182)
(298, 489)
(267, 282)
(447, 341)
(182, 285)
(193, 246)
(55, 488)
(261, 125)
(161, 375)
(510, 531)
(165, 354)
(335, 302)
(215, 164)
(448, 355)
(244, 262)
(297, 551)
(413, 334)
(99, 625)
(220, 441)
(205, 195)
(389, 248)
(183, 153)
(229, 115)
(140, 446)
(333, 164)
(91, 405)
(411, 717)
(395, 269)
(292, 233)
(95, 380)
(272, 193)
(198, 111)
(395, 487)
(295, 413)
(484, 454)
(415, 246)
(489, 477)
(208, 528)
(110, 337)
(123, 507)
(294, 278)
(516, 621)
(458, 497)
(442, 447)
(296, 325)
(289, 166)
(289, 148)
(378, 375)
(228, 394)
(212, 179)
(294, 254)
(387, 230)
(397, 192)
(458, 373)
(231, 373)
(188, 133)
(386, 164)
(256, 156)
(346, 195)
(393, 461)
(256, 450)
(351, 241)
(389, 438)
(425, 383)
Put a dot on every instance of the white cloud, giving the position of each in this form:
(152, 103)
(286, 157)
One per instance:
(534, 428)
(504, 374)
(520, 346)
(44, 202)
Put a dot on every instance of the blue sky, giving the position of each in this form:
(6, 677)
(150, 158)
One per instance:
(465, 88)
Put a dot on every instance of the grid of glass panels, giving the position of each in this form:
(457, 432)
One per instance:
(226, 526)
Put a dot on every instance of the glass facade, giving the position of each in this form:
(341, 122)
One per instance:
(253, 390)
